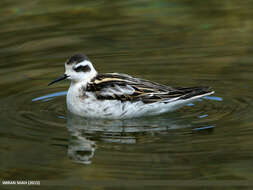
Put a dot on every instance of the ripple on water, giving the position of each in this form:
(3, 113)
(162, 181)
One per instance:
(174, 138)
(31, 108)
(47, 113)
(21, 111)
(86, 132)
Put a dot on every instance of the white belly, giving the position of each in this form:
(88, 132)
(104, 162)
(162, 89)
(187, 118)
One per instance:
(89, 106)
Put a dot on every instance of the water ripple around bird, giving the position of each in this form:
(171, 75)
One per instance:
(210, 139)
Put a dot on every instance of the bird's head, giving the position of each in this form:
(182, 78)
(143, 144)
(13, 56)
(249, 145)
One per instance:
(78, 68)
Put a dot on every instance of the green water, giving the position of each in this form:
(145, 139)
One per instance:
(178, 43)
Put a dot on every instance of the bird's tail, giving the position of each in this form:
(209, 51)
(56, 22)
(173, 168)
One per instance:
(195, 92)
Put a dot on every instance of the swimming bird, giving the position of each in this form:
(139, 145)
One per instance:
(120, 96)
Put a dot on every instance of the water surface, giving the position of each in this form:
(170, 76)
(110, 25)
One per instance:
(179, 43)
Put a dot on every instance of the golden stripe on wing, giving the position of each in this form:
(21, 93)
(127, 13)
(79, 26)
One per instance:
(107, 80)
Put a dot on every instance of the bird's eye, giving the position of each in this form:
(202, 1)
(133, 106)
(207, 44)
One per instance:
(82, 68)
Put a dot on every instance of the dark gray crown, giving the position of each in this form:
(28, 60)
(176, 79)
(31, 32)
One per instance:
(77, 58)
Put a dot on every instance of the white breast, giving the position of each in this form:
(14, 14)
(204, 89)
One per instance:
(87, 105)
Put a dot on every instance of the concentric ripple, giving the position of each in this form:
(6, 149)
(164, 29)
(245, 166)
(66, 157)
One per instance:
(44, 111)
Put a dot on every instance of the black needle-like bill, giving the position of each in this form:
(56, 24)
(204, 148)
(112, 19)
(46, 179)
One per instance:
(59, 79)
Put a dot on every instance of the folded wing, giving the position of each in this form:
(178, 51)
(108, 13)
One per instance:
(114, 86)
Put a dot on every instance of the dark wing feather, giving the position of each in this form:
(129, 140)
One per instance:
(114, 86)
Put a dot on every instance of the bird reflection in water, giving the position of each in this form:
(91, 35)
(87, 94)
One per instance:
(86, 132)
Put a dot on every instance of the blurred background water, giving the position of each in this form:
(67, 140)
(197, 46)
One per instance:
(178, 43)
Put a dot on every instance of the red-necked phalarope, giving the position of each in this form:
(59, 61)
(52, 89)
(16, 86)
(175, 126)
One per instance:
(115, 95)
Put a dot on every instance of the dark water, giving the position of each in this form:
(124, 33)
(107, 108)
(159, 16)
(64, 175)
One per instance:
(179, 43)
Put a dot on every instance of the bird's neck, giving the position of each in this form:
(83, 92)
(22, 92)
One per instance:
(81, 85)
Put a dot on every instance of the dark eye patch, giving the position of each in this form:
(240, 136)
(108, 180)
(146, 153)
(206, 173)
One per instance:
(82, 68)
